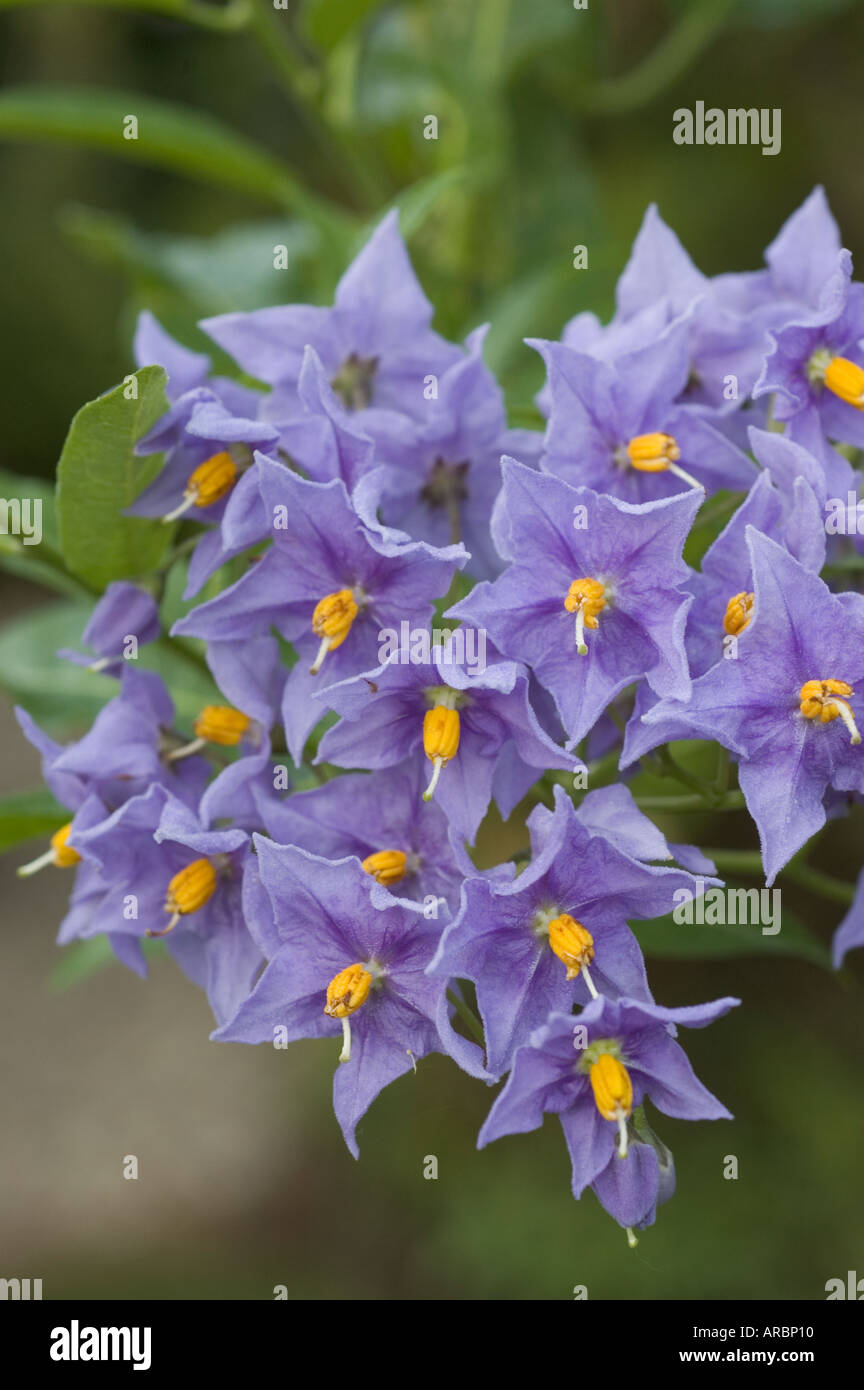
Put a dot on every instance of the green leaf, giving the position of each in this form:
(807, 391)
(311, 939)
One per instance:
(177, 138)
(231, 270)
(26, 815)
(417, 202)
(99, 475)
(65, 698)
(55, 692)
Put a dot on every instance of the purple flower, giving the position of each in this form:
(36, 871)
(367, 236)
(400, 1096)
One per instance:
(468, 722)
(153, 346)
(162, 872)
(850, 933)
(329, 584)
(376, 343)
(380, 818)
(125, 751)
(594, 1072)
(443, 481)
(618, 426)
(251, 676)
(324, 439)
(328, 580)
(814, 369)
(613, 813)
(726, 339)
(208, 446)
(607, 568)
(723, 589)
(123, 612)
(344, 959)
(557, 934)
(787, 705)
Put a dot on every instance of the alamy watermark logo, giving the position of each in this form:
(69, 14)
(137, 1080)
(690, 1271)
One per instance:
(728, 907)
(76, 1343)
(851, 1287)
(738, 126)
(21, 516)
(844, 518)
(21, 1290)
(416, 646)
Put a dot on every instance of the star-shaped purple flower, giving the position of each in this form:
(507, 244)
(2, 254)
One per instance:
(815, 368)
(162, 872)
(788, 705)
(594, 1072)
(376, 342)
(442, 482)
(329, 584)
(557, 934)
(123, 753)
(344, 959)
(591, 600)
(618, 426)
(493, 746)
(380, 818)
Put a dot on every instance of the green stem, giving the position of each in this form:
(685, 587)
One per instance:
(823, 884)
(670, 768)
(747, 861)
(676, 51)
(737, 861)
(302, 84)
(468, 1016)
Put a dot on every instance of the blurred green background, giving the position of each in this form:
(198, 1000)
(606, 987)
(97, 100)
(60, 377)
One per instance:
(554, 130)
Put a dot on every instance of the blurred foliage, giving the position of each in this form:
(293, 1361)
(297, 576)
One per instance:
(298, 127)
(554, 129)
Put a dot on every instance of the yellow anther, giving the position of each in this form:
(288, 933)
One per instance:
(613, 1094)
(207, 483)
(822, 700)
(61, 854)
(386, 865)
(586, 598)
(221, 724)
(346, 992)
(739, 611)
(572, 943)
(64, 855)
(655, 453)
(846, 380)
(331, 621)
(441, 730)
(212, 479)
(188, 891)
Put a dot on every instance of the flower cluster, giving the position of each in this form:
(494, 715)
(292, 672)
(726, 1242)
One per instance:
(455, 613)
